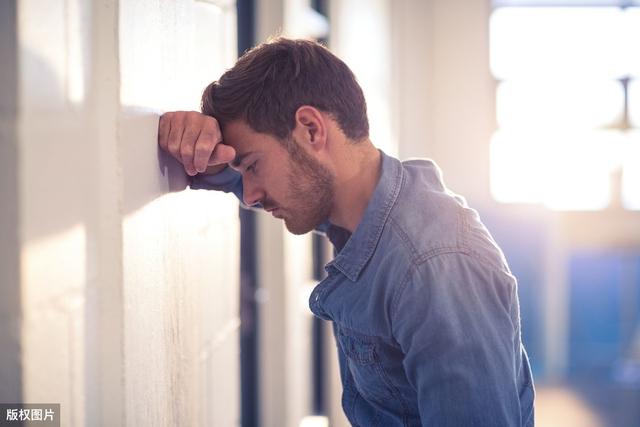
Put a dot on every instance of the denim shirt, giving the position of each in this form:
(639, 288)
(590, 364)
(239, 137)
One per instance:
(424, 308)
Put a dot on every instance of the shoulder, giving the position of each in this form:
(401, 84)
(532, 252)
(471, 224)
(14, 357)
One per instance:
(431, 219)
(426, 216)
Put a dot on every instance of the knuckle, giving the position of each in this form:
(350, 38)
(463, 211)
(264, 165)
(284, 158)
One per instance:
(192, 116)
(173, 143)
(175, 152)
(186, 153)
(209, 136)
(211, 124)
(177, 117)
(203, 150)
(189, 134)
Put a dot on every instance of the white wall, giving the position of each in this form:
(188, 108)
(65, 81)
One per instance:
(361, 36)
(444, 92)
(128, 282)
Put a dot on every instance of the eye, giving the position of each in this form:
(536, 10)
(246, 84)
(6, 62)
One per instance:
(252, 167)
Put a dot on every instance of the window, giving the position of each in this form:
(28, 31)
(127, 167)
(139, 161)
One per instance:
(567, 105)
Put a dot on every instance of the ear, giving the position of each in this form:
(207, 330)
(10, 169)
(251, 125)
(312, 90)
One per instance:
(311, 127)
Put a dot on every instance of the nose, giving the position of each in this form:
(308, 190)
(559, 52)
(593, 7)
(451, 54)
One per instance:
(251, 193)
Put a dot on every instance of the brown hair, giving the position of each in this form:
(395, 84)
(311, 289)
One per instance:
(270, 82)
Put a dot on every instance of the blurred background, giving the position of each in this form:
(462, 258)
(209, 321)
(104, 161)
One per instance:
(133, 300)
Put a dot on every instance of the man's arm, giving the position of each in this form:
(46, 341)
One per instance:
(456, 320)
(195, 140)
(228, 180)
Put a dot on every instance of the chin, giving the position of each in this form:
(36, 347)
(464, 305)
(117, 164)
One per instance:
(301, 227)
(297, 229)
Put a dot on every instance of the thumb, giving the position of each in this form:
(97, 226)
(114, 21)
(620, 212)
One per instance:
(222, 154)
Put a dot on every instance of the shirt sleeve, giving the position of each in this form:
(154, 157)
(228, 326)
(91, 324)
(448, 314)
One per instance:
(456, 319)
(229, 181)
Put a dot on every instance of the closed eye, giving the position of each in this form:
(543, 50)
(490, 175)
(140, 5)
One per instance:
(252, 167)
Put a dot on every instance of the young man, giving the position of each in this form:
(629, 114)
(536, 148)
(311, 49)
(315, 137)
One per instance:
(424, 308)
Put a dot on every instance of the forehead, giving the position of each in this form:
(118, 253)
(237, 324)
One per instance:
(243, 139)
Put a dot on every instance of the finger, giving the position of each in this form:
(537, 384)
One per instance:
(208, 139)
(163, 130)
(222, 154)
(187, 148)
(193, 125)
(175, 135)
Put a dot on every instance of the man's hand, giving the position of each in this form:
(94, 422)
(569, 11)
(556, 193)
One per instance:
(195, 141)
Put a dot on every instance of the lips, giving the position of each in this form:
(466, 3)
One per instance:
(275, 212)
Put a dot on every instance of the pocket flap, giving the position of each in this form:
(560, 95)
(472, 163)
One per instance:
(356, 349)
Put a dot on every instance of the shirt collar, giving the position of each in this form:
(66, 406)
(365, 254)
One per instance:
(363, 242)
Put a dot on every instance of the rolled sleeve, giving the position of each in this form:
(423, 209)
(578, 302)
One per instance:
(456, 320)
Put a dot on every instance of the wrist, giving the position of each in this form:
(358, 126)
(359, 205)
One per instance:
(214, 170)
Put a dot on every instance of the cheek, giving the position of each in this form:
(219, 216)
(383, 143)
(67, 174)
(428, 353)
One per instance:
(275, 186)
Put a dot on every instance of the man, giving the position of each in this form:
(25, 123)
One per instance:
(424, 308)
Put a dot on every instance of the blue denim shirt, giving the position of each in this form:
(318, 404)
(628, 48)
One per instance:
(424, 308)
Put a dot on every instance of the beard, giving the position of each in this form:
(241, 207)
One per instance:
(311, 191)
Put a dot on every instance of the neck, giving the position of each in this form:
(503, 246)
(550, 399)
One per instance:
(358, 172)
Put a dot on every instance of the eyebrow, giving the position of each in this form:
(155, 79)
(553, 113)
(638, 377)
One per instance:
(239, 159)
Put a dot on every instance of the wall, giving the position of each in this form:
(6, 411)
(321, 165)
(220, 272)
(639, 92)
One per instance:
(127, 288)
(443, 88)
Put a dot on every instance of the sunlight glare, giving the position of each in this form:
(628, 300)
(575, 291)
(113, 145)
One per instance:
(563, 171)
(632, 47)
(559, 104)
(553, 41)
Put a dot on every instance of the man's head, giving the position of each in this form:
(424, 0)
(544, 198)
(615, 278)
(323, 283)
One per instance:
(282, 175)
(270, 82)
(285, 107)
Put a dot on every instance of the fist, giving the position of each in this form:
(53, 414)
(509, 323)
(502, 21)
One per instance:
(195, 141)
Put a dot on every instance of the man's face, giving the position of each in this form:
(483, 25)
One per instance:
(289, 183)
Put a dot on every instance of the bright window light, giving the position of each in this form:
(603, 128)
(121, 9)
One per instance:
(632, 28)
(559, 104)
(631, 172)
(516, 170)
(553, 41)
(563, 171)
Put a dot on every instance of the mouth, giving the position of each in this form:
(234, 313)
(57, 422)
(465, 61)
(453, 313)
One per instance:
(276, 212)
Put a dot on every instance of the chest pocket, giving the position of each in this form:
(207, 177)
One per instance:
(368, 376)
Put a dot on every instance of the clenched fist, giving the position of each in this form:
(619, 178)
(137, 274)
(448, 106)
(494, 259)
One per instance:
(195, 141)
